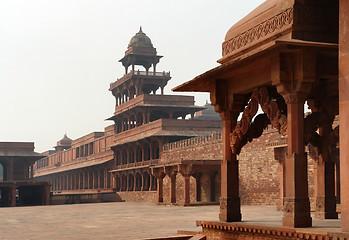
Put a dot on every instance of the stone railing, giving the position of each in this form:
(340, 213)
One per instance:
(193, 141)
(138, 164)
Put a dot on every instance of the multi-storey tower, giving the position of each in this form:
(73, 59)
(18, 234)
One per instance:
(145, 118)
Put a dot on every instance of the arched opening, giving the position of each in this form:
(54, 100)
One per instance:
(138, 182)
(130, 186)
(125, 96)
(117, 158)
(123, 182)
(156, 151)
(132, 91)
(154, 183)
(124, 157)
(146, 181)
(108, 179)
(132, 155)
(139, 119)
(117, 183)
(118, 99)
(138, 153)
(118, 126)
(101, 178)
(146, 152)
(132, 122)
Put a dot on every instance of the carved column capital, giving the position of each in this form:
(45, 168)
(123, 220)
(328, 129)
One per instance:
(294, 74)
(186, 170)
(159, 173)
(295, 97)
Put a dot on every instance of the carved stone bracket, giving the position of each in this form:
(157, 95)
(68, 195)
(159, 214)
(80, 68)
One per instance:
(273, 107)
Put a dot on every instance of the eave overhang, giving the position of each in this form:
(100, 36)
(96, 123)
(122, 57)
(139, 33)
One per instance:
(227, 71)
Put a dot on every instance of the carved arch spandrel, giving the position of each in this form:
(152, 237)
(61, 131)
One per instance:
(274, 109)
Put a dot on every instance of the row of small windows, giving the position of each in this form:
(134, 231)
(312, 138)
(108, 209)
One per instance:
(84, 150)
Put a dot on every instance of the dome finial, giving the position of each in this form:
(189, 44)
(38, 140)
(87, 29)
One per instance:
(140, 29)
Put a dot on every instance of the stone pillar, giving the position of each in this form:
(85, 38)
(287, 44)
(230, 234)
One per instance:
(143, 187)
(144, 118)
(148, 117)
(46, 194)
(31, 171)
(279, 155)
(173, 187)
(154, 67)
(150, 181)
(230, 201)
(186, 190)
(159, 174)
(143, 153)
(296, 201)
(325, 197)
(93, 180)
(98, 179)
(344, 110)
(186, 171)
(13, 196)
(197, 177)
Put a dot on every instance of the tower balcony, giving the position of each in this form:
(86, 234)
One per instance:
(140, 75)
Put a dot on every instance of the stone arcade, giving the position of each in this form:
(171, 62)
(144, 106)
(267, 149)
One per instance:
(279, 57)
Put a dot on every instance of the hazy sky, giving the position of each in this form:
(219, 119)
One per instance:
(57, 58)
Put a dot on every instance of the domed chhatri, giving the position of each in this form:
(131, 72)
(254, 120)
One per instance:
(140, 51)
(64, 143)
(140, 40)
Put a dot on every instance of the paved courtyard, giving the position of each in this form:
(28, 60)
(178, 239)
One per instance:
(124, 220)
(117, 220)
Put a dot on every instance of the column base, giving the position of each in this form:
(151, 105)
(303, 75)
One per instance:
(326, 208)
(345, 221)
(296, 213)
(230, 210)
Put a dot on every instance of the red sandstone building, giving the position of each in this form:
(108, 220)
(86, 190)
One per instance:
(285, 53)
(17, 187)
(128, 157)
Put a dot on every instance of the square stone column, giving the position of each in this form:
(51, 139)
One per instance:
(159, 174)
(344, 109)
(173, 178)
(325, 190)
(230, 210)
(296, 201)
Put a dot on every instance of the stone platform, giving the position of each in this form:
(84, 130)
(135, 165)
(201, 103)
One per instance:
(261, 222)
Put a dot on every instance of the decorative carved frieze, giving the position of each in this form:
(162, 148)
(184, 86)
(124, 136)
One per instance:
(259, 31)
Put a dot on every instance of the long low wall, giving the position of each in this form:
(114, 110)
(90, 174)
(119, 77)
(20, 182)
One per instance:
(84, 198)
(138, 196)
